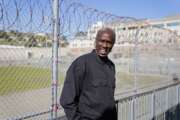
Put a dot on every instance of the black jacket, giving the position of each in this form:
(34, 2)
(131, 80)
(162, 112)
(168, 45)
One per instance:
(88, 92)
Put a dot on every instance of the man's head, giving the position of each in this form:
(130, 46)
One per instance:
(105, 40)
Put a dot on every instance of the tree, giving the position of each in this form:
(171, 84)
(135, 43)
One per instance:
(4, 35)
(31, 42)
(63, 41)
(80, 33)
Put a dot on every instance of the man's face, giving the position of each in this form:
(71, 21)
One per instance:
(104, 45)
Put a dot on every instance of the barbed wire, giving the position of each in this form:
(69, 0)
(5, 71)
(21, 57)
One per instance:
(77, 17)
(26, 16)
(36, 16)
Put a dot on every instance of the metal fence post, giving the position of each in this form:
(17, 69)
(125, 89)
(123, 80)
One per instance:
(167, 103)
(153, 105)
(132, 113)
(55, 58)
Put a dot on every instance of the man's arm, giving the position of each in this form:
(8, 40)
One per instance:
(71, 91)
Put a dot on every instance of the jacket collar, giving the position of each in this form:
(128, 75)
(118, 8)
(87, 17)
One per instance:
(99, 59)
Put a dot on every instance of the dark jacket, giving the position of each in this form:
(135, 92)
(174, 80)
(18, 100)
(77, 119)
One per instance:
(88, 92)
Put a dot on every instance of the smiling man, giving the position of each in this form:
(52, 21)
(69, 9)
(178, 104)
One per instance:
(88, 92)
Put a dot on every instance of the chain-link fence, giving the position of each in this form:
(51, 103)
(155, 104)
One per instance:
(143, 54)
(25, 58)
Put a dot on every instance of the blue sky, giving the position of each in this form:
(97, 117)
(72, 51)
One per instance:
(137, 8)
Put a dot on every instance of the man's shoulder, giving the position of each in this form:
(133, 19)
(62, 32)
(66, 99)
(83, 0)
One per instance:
(82, 58)
(85, 56)
(111, 62)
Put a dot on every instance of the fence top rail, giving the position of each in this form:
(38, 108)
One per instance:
(144, 90)
(126, 94)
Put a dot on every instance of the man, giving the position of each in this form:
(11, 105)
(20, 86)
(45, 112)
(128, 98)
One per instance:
(88, 92)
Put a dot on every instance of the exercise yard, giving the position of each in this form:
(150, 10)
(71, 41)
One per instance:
(23, 78)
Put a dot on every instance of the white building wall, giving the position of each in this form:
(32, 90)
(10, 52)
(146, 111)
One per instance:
(81, 42)
(125, 33)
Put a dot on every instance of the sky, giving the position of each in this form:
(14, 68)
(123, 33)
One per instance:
(140, 9)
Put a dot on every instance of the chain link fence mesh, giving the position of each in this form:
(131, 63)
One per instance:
(25, 58)
(144, 54)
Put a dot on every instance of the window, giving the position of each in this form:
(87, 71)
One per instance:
(132, 28)
(158, 25)
(173, 24)
(120, 29)
(146, 26)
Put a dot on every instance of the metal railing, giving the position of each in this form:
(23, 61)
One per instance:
(158, 102)
(149, 103)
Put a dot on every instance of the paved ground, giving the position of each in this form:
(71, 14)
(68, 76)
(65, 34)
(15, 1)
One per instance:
(17, 105)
